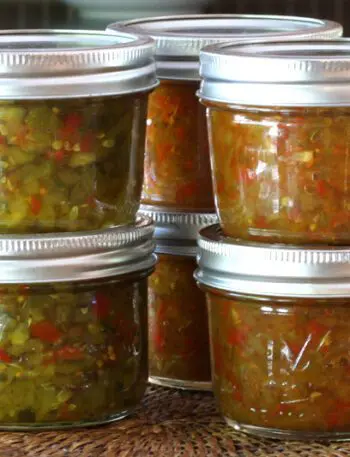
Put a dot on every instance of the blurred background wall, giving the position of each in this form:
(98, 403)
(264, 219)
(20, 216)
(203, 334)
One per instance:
(97, 13)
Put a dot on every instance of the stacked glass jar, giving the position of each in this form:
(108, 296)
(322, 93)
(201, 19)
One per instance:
(177, 190)
(177, 312)
(74, 259)
(277, 271)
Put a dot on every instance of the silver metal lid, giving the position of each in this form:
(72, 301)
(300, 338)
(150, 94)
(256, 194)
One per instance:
(58, 64)
(180, 38)
(271, 270)
(77, 256)
(176, 232)
(312, 73)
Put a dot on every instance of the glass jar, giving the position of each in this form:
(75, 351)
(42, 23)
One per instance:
(72, 129)
(73, 318)
(177, 311)
(279, 332)
(177, 171)
(280, 151)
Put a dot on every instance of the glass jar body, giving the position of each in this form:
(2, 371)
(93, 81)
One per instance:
(282, 175)
(178, 326)
(281, 366)
(177, 170)
(71, 165)
(72, 354)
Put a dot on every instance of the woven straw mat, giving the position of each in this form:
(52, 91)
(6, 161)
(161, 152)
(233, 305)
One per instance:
(170, 423)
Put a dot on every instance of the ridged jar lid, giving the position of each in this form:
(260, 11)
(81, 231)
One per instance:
(77, 256)
(176, 232)
(37, 64)
(300, 73)
(180, 38)
(271, 270)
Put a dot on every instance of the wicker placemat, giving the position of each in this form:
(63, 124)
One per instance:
(170, 423)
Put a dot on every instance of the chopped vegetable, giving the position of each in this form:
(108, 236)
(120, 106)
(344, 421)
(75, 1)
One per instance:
(45, 331)
(177, 171)
(178, 323)
(282, 175)
(60, 362)
(282, 363)
(55, 155)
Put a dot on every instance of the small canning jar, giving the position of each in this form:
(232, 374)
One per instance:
(177, 311)
(73, 319)
(279, 131)
(177, 170)
(279, 322)
(73, 108)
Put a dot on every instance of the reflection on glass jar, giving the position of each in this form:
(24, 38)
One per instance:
(69, 165)
(282, 175)
(178, 326)
(281, 366)
(177, 171)
(72, 354)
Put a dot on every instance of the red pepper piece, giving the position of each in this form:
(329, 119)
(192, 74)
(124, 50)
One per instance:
(261, 222)
(158, 338)
(295, 347)
(236, 337)
(73, 121)
(69, 353)
(35, 205)
(101, 306)
(45, 331)
(316, 329)
(4, 357)
(321, 187)
(59, 155)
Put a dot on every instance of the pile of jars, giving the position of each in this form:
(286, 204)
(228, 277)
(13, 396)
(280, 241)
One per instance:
(84, 142)
(275, 270)
(177, 190)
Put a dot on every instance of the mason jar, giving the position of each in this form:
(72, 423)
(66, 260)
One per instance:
(72, 129)
(177, 311)
(73, 319)
(279, 123)
(177, 170)
(279, 329)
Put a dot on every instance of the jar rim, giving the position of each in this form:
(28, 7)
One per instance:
(180, 38)
(179, 226)
(271, 269)
(78, 256)
(56, 64)
(283, 73)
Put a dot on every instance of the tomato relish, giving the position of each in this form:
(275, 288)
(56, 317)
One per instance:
(282, 175)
